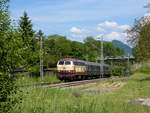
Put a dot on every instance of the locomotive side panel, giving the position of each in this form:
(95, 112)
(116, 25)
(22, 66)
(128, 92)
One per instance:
(80, 68)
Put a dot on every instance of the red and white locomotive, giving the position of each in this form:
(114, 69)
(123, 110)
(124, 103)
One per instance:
(71, 69)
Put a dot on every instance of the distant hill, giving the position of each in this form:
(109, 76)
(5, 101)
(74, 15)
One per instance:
(125, 47)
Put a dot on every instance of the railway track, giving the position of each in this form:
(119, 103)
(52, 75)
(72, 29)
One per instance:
(65, 84)
(75, 83)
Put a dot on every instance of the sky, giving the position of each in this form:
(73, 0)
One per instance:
(77, 19)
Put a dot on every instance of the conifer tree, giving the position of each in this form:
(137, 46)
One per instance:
(25, 28)
(31, 48)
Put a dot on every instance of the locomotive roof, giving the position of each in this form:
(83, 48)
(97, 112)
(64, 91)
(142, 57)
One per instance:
(82, 61)
(71, 59)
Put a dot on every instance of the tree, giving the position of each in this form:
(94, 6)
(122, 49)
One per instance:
(77, 50)
(9, 55)
(109, 49)
(56, 47)
(91, 48)
(25, 28)
(139, 37)
(31, 51)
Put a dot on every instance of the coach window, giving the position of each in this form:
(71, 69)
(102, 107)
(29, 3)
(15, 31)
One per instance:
(67, 63)
(75, 63)
(61, 62)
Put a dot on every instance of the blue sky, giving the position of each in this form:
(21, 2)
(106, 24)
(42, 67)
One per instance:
(78, 19)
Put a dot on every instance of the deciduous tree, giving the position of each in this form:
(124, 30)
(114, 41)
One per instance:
(139, 37)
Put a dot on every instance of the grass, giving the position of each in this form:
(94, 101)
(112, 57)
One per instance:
(142, 68)
(55, 100)
(25, 80)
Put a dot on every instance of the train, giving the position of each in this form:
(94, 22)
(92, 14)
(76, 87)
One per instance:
(75, 69)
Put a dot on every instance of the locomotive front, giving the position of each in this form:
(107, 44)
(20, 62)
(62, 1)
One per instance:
(65, 69)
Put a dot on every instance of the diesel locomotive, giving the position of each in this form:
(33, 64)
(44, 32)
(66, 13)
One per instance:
(72, 69)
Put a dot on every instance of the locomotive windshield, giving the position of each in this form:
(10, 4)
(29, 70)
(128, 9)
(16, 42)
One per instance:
(67, 63)
(61, 62)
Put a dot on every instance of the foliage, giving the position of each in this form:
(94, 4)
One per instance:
(117, 71)
(7, 88)
(139, 38)
(92, 48)
(25, 28)
(111, 51)
(57, 47)
(30, 45)
(10, 58)
(77, 50)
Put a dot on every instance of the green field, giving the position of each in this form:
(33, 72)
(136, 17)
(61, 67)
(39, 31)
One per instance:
(79, 100)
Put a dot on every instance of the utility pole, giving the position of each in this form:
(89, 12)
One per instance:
(129, 62)
(87, 57)
(41, 54)
(102, 57)
(127, 71)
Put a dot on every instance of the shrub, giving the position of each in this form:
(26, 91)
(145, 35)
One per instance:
(117, 71)
(7, 89)
(34, 71)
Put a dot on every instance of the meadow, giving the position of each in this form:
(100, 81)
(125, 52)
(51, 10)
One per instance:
(58, 100)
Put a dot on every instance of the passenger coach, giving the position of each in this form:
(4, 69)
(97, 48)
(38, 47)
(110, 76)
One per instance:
(71, 69)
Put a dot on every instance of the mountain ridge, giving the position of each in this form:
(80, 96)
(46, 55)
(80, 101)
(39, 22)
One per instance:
(127, 49)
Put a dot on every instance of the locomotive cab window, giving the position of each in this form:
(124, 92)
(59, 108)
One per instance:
(61, 62)
(67, 63)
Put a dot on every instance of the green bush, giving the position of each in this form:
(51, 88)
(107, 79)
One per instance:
(7, 89)
(117, 71)
(34, 71)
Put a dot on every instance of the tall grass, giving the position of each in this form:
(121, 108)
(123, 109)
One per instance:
(143, 67)
(26, 80)
(55, 100)
(40, 100)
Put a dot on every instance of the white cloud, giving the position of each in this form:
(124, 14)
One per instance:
(75, 30)
(124, 27)
(113, 36)
(100, 29)
(79, 34)
(111, 24)
(108, 24)
(111, 31)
